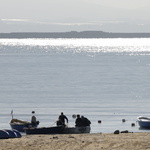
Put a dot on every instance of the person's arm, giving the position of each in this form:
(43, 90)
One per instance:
(66, 119)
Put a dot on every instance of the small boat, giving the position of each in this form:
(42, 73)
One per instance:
(4, 134)
(144, 122)
(18, 134)
(13, 133)
(19, 125)
(58, 130)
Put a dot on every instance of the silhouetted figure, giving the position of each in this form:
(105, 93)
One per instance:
(86, 122)
(79, 122)
(59, 123)
(33, 119)
(61, 119)
(34, 122)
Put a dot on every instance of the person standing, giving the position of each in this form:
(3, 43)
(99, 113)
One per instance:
(33, 119)
(62, 119)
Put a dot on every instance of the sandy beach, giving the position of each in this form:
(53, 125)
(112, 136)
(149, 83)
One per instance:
(96, 141)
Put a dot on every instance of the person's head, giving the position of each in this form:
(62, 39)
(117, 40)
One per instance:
(33, 112)
(78, 116)
(62, 113)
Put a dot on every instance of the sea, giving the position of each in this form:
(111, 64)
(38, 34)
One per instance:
(106, 80)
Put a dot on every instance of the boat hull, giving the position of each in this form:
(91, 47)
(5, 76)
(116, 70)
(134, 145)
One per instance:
(76, 130)
(44, 130)
(58, 130)
(144, 122)
(19, 125)
(4, 134)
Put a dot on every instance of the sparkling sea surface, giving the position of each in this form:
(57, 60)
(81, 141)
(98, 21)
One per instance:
(101, 79)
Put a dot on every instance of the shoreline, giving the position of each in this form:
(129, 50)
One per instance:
(74, 34)
(92, 141)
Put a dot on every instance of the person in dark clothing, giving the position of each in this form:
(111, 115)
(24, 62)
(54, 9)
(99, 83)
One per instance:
(59, 122)
(61, 119)
(33, 119)
(34, 122)
(79, 122)
(86, 122)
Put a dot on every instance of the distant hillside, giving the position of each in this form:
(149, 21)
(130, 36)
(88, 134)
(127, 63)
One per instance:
(73, 34)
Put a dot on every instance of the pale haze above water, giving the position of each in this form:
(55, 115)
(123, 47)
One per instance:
(77, 15)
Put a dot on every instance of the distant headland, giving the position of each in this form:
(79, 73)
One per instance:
(73, 34)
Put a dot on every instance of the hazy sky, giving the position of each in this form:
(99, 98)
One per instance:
(74, 15)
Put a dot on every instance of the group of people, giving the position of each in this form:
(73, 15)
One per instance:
(82, 121)
(63, 120)
(79, 122)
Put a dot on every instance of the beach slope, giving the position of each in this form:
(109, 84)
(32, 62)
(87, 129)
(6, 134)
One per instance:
(97, 141)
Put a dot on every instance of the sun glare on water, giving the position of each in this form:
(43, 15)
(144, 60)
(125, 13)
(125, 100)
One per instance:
(119, 45)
